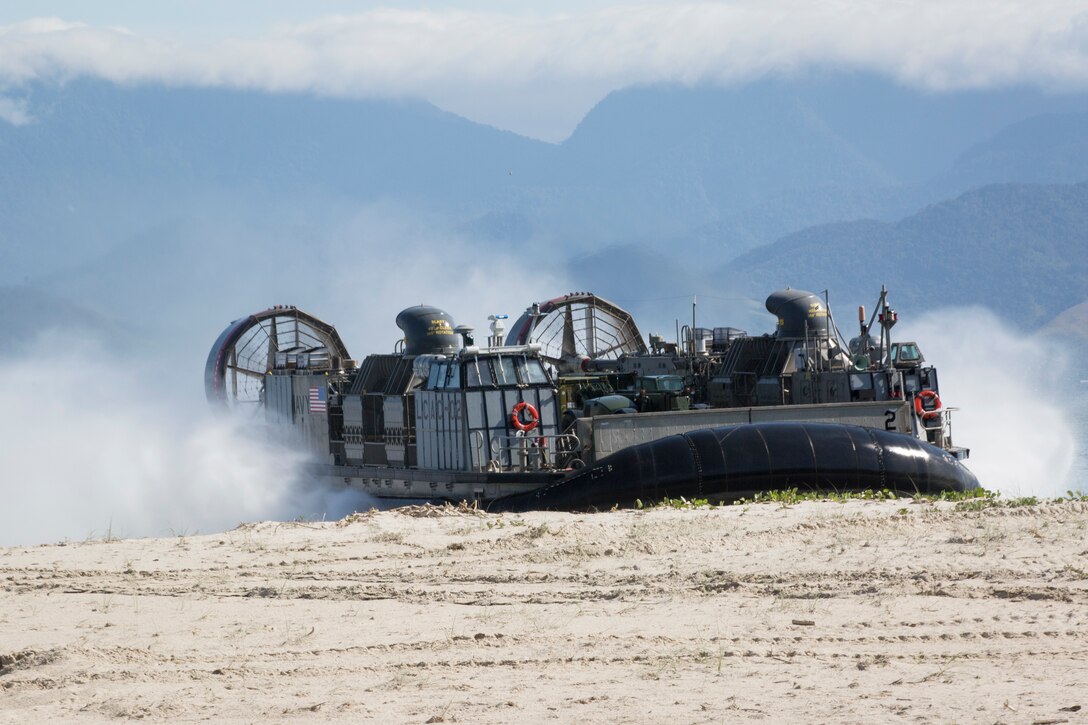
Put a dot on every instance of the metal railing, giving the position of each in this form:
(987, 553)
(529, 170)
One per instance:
(941, 427)
(528, 452)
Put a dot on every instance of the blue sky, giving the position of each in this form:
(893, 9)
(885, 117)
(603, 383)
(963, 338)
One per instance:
(202, 18)
(196, 17)
(537, 69)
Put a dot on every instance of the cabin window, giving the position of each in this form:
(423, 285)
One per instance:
(472, 373)
(454, 379)
(449, 376)
(484, 368)
(905, 352)
(505, 371)
(533, 372)
(442, 375)
(437, 377)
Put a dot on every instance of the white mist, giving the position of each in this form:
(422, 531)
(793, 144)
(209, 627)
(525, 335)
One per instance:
(1010, 389)
(90, 446)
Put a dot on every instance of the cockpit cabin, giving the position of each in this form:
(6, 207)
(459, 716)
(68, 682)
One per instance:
(484, 409)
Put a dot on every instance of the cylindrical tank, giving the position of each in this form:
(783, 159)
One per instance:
(794, 309)
(428, 331)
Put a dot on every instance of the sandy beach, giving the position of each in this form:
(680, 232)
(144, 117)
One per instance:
(866, 611)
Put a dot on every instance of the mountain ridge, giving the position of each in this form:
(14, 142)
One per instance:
(118, 191)
(1019, 248)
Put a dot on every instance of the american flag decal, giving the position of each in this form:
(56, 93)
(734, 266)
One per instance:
(317, 400)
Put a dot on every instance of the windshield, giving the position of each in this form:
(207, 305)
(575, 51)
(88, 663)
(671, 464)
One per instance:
(532, 372)
(478, 373)
(437, 375)
(505, 373)
(504, 370)
(906, 352)
(453, 378)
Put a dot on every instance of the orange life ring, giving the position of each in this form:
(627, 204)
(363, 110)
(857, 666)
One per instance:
(919, 406)
(515, 417)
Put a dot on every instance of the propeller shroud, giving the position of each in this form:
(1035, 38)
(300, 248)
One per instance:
(246, 351)
(576, 328)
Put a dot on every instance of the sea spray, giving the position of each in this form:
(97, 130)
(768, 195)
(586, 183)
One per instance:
(94, 447)
(1014, 410)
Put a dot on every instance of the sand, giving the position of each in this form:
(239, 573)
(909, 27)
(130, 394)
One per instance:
(819, 612)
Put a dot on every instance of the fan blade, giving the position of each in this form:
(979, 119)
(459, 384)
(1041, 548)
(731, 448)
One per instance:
(243, 371)
(273, 345)
(591, 331)
(568, 333)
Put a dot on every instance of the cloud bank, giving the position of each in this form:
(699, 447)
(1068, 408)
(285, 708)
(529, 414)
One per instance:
(481, 63)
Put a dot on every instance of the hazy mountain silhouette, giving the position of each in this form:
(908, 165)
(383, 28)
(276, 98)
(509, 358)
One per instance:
(119, 198)
(1019, 249)
(740, 167)
(30, 313)
(1072, 325)
(101, 163)
(1042, 149)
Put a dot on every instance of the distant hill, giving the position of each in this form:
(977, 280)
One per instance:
(1021, 250)
(30, 314)
(1072, 323)
(1042, 149)
(102, 163)
(161, 206)
(740, 167)
(706, 170)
